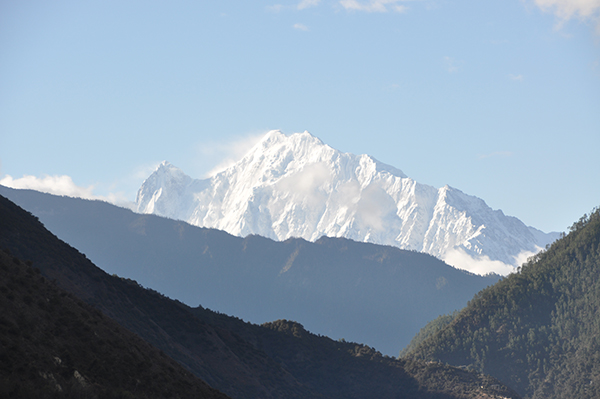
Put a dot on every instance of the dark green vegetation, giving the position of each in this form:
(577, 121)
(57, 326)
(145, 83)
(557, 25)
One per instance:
(538, 330)
(277, 360)
(430, 329)
(374, 294)
(52, 345)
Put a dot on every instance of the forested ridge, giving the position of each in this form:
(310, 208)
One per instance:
(53, 345)
(431, 328)
(538, 329)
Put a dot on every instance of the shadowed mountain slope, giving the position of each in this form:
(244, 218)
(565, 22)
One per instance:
(538, 331)
(52, 345)
(378, 295)
(278, 360)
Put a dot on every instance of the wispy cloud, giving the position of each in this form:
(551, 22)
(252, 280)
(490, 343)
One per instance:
(275, 8)
(307, 3)
(565, 10)
(496, 154)
(143, 171)
(226, 153)
(452, 65)
(374, 5)
(301, 27)
(305, 184)
(518, 78)
(371, 6)
(59, 185)
(62, 185)
(303, 4)
(458, 258)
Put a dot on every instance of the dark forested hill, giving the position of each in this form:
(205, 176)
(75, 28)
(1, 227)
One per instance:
(52, 345)
(538, 330)
(278, 360)
(374, 294)
(430, 329)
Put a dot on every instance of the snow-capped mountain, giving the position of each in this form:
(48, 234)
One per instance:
(297, 186)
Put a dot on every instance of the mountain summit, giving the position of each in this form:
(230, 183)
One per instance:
(297, 186)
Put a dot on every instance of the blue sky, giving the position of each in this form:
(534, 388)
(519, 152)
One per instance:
(498, 98)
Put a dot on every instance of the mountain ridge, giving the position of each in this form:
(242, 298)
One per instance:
(334, 286)
(278, 360)
(297, 186)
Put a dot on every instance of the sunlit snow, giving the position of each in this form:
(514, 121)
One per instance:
(297, 186)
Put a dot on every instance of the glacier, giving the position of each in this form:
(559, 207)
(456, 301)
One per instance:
(297, 186)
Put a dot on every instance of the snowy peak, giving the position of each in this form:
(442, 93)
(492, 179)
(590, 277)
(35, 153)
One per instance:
(297, 142)
(277, 155)
(297, 186)
(170, 173)
(162, 190)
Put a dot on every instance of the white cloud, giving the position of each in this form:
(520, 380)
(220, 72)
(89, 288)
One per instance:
(496, 154)
(301, 27)
(568, 9)
(518, 78)
(229, 152)
(525, 255)
(306, 185)
(144, 170)
(483, 265)
(307, 3)
(62, 185)
(119, 199)
(303, 4)
(59, 185)
(374, 208)
(452, 65)
(374, 5)
(275, 8)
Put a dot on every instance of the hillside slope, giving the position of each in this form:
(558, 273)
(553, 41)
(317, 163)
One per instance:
(279, 360)
(538, 330)
(53, 345)
(377, 295)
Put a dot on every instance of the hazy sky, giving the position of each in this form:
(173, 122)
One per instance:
(498, 98)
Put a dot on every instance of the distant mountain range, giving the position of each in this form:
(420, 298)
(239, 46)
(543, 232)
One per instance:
(54, 346)
(297, 186)
(377, 295)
